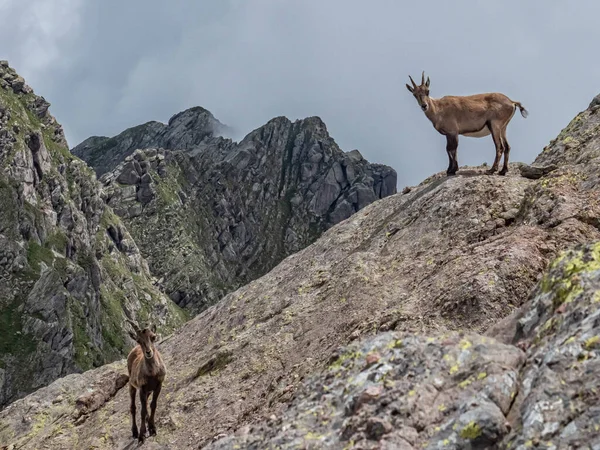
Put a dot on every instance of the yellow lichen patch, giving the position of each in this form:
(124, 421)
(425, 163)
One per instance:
(411, 393)
(471, 431)
(591, 343)
(345, 357)
(39, 424)
(350, 445)
(310, 436)
(465, 383)
(453, 369)
(442, 408)
(481, 376)
(465, 344)
(395, 344)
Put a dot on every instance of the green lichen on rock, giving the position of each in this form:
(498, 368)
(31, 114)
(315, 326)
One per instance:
(13, 341)
(344, 358)
(564, 280)
(471, 431)
(37, 254)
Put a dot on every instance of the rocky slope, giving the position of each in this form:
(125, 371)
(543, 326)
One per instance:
(220, 214)
(413, 280)
(537, 389)
(69, 270)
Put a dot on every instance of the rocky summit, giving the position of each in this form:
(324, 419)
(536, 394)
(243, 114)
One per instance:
(218, 214)
(460, 314)
(70, 271)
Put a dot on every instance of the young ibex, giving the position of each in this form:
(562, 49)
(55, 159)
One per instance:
(146, 373)
(472, 116)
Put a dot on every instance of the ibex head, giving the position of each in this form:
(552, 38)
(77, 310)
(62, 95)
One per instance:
(145, 337)
(421, 92)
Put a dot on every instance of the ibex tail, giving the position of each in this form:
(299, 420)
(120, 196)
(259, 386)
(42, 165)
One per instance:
(524, 112)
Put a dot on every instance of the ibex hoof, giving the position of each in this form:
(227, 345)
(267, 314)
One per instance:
(141, 439)
(502, 172)
(134, 432)
(490, 171)
(152, 431)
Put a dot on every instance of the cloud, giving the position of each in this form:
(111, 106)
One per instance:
(109, 65)
(38, 31)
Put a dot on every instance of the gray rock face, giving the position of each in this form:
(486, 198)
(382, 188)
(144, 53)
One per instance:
(65, 286)
(211, 219)
(185, 130)
(399, 391)
(560, 330)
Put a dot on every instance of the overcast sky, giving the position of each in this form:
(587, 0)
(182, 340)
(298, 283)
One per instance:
(111, 64)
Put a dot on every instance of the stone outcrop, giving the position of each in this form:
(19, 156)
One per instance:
(69, 270)
(214, 217)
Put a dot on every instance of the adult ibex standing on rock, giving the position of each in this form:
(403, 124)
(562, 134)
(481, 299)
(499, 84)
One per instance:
(146, 373)
(473, 116)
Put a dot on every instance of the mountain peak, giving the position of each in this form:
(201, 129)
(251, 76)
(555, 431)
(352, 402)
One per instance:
(185, 130)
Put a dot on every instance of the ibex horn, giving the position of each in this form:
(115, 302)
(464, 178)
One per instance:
(423, 78)
(412, 81)
(135, 326)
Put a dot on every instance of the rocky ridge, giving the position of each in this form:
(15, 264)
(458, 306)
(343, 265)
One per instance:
(410, 283)
(211, 218)
(69, 270)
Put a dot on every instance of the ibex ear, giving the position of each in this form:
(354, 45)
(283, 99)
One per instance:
(427, 83)
(153, 328)
(133, 336)
(411, 89)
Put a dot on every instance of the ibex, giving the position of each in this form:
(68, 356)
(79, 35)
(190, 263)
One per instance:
(473, 116)
(146, 373)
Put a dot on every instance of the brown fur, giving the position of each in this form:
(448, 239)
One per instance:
(465, 115)
(146, 374)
